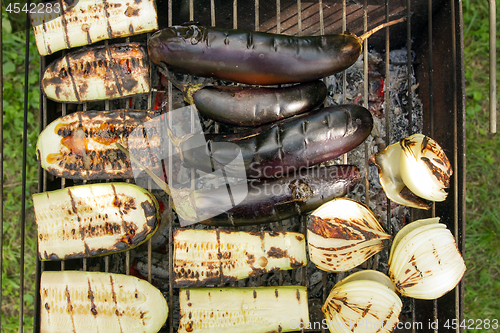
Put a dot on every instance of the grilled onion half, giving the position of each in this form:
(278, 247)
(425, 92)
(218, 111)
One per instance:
(425, 262)
(342, 234)
(362, 302)
(414, 170)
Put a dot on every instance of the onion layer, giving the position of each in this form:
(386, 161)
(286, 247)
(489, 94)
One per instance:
(343, 234)
(362, 302)
(425, 262)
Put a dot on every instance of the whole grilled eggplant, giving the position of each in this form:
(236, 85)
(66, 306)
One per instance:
(274, 150)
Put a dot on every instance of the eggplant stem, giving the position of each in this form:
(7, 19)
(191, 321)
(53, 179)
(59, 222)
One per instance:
(379, 27)
(187, 89)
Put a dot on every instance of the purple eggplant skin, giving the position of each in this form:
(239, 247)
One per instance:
(256, 106)
(271, 200)
(274, 150)
(251, 57)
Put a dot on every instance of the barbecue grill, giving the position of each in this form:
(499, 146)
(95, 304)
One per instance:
(432, 33)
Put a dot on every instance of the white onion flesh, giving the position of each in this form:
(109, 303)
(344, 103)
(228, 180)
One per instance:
(425, 169)
(414, 169)
(343, 234)
(362, 302)
(425, 262)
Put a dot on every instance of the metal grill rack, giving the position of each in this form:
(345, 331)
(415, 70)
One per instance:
(433, 32)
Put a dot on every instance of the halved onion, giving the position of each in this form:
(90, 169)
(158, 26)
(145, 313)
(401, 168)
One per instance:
(362, 302)
(425, 262)
(425, 169)
(414, 169)
(342, 234)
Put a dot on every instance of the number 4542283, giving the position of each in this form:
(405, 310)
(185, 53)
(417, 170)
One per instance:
(40, 8)
(472, 324)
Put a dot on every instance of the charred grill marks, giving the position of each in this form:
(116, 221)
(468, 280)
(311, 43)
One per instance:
(70, 74)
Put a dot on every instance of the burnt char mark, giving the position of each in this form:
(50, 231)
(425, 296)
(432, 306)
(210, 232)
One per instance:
(70, 74)
(113, 296)
(425, 142)
(129, 83)
(296, 264)
(298, 296)
(211, 281)
(261, 234)
(219, 255)
(338, 228)
(251, 259)
(70, 307)
(65, 26)
(117, 203)
(440, 175)
(132, 11)
(93, 308)
(275, 252)
(410, 196)
(148, 208)
(366, 310)
(106, 6)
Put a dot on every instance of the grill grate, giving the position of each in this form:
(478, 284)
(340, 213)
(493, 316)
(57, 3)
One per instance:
(444, 102)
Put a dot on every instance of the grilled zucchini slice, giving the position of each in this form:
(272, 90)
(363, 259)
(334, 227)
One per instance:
(252, 310)
(92, 220)
(89, 302)
(67, 24)
(81, 145)
(98, 73)
(203, 257)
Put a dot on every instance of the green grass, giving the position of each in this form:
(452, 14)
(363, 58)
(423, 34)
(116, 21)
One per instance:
(482, 278)
(13, 44)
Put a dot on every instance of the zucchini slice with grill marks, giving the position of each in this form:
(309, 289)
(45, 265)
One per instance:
(88, 302)
(66, 24)
(98, 73)
(261, 309)
(92, 220)
(81, 145)
(204, 257)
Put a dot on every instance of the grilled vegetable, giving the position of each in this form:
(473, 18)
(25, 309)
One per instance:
(81, 145)
(66, 24)
(363, 302)
(342, 234)
(98, 73)
(264, 200)
(203, 257)
(425, 262)
(254, 106)
(88, 302)
(243, 310)
(414, 169)
(279, 199)
(95, 219)
(425, 169)
(254, 57)
(273, 150)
